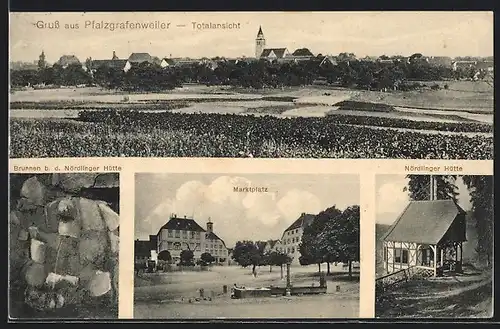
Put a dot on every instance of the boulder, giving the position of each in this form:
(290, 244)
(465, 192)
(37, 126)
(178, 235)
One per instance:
(51, 216)
(100, 283)
(35, 274)
(111, 218)
(90, 215)
(34, 191)
(14, 217)
(73, 182)
(37, 251)
(114, 241)
(93, 248)
(68, 256)
(70, 228)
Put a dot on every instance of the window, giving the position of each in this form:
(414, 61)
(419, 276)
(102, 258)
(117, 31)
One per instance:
(169, 245)
(184, 234)
(177, 233)
(405, 257)
(193, 234)
(293, 250)
(197, 235)
(169, 233)
(401, 256)
(385, 253)
(197, 246)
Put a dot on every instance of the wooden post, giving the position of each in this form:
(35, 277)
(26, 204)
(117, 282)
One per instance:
(442, 257)
(224, 289)
(434, 249)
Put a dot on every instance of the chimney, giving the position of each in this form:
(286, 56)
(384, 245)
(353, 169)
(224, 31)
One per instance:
(210, 226)
(114, 55)
(184, 216)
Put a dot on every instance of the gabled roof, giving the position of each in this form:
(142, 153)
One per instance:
(424, 222)
(213, 236)
(114, 63)
(68, 60)
(331, 59)
(169, 61)
(272, 243)
(302, 52)
(303, 221)
(279, 52)
(183, 224)
(140, 57)
(261, 245)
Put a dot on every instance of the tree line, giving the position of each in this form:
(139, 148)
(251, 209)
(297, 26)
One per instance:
(332, 237)
(396, 74)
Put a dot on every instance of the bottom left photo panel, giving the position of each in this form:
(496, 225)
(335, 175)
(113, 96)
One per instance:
(64, 245)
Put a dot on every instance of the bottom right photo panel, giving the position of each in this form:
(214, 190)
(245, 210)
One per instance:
(434, 246)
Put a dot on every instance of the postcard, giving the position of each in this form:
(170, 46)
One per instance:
(250, 166)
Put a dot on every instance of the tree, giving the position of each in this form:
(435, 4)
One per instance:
(340, 238)
(41, 61)
(247, 253)
(278, 259)
(187, 258)
(164, 255)
(419, 187)
(481, 192)
(207, 258)
(311, 250)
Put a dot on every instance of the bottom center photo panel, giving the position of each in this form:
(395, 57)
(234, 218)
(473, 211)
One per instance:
(239, 246)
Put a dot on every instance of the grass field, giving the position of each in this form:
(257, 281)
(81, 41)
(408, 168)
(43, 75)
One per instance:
(467, 295)
(167, 295)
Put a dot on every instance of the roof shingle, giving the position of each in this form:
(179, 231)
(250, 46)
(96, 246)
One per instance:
(424, 222)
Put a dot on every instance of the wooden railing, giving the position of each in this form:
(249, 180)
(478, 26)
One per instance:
(392, 280)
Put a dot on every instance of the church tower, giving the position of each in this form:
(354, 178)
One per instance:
(260, 43)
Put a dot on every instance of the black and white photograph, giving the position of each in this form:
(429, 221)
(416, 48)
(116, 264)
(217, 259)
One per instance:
(434, 246)
(63, 246)
(229, 246)
(353, 85)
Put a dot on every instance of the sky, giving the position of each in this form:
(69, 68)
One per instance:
(238, 216)
(391, 200)
(363, 33)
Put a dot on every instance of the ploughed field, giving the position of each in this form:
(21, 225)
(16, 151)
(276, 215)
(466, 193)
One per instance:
(198, 121)
(168, 295)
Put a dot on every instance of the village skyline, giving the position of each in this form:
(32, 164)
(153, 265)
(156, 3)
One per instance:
(450, 34)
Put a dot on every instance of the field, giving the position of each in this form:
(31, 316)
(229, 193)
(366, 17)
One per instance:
(464, 113)
(168, 295)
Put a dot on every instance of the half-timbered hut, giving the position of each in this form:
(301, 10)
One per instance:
(428, 235)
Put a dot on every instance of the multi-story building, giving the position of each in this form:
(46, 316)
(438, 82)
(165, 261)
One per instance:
(180, 234)
(292, 235)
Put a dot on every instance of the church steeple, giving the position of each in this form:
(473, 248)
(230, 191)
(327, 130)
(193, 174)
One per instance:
(260, 34)
(260, 43)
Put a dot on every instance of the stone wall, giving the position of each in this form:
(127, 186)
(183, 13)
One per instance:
(64, 241)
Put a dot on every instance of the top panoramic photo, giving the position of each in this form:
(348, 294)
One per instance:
(352, 85)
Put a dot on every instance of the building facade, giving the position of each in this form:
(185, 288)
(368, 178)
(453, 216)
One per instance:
(180, 234)
(428, 237)
(292, 236)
